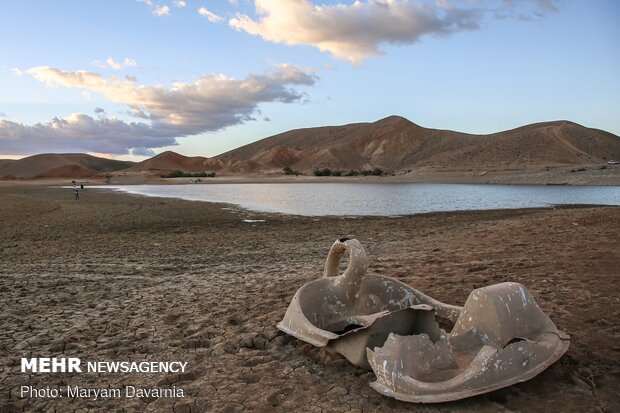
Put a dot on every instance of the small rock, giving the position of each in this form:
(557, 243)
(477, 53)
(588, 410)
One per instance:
(271, 334)
(246, 341)
(182, 407)
(141, 334)
(259, 343)
(338, 391)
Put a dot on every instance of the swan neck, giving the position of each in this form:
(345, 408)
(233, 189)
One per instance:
(358, 261)
(333, 259)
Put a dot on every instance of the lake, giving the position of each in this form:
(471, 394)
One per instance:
(389, 199)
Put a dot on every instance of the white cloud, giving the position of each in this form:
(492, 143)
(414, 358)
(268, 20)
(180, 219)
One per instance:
(79, 132)
(16, 71)
(213, 18)
(111, 63)
(355, 31)
(210, 103)
(161, 10)
(129, 62)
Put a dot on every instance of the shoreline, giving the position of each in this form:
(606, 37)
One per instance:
(260, 208)
(279, 180)
(356, 216)
(572, 176)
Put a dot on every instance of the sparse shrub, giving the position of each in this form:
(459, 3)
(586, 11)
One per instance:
(323, 172)
(352, 172)
(180, 174)
(174, 174)
(289, 171)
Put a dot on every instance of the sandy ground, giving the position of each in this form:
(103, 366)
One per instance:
(120, 277)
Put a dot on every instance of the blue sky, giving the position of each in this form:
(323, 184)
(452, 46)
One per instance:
(213, 75)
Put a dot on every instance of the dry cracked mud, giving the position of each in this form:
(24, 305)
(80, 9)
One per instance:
(120, 277)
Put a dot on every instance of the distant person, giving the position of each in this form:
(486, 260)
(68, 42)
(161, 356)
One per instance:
(82, 187)
(76, 193)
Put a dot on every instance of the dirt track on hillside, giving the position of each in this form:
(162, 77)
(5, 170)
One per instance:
(120, 277)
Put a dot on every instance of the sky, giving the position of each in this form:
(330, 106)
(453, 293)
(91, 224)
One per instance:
(132, 78)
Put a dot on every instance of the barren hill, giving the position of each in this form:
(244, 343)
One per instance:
(70, 171)
(5, 162)
(395, 143)
(40, 165)
(392, 144)
(170, 161)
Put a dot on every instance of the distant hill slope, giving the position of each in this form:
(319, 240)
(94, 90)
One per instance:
(170, 161)
(70, 171)
(5, 162)
(392, 144)
(37, 165)
(395, 143)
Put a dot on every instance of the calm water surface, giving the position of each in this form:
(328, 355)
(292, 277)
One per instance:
(316, 199)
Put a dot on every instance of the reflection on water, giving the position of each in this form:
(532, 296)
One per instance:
(314, 199)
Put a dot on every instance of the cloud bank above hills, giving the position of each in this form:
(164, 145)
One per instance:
(211, 103)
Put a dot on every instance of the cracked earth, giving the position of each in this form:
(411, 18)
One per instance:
(120, 277)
